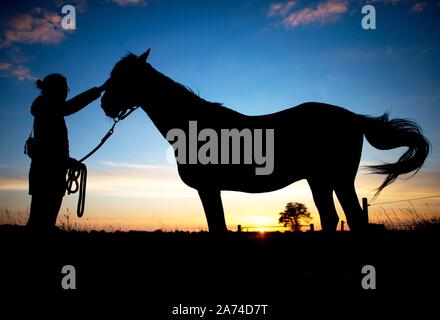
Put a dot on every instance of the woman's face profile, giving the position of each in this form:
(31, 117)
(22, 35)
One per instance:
(54, 87)
(57, 90)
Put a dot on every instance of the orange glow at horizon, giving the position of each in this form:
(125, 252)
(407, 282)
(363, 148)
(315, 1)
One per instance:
(153, 197)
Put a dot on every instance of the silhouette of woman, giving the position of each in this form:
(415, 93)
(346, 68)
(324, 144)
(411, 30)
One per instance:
(50, 157)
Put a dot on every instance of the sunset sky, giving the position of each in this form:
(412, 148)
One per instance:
(255, 57)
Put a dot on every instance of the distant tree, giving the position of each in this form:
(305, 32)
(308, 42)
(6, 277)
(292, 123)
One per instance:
(293, 214)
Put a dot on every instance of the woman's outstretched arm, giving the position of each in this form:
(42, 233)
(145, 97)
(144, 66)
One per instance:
(83, 99)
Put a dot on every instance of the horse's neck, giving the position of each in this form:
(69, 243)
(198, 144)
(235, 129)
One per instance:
(168, 104)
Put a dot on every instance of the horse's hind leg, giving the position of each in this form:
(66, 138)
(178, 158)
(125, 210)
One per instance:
(356, 218)
(212, 204)
(323, 197)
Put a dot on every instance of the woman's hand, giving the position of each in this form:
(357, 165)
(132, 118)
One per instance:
(104, 86)
(73, 164)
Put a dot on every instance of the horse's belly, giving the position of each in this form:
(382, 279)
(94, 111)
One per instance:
(259, 184)
(236, 178)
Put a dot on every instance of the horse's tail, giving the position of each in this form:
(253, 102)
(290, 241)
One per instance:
(385, 134)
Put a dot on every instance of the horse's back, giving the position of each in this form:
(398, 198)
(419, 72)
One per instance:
(314, 110)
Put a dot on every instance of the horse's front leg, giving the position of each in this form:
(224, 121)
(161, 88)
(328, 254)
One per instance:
(212, 204)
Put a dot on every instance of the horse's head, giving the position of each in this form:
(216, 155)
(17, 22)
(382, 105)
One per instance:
(124, 86)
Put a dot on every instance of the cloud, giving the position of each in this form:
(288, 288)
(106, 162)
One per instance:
(20, 71)
(131, 2)
(79, 5)
(39, 26)
(384, 1)
(418, 7)
(138, 166)
(12, 64)
(281, 9)
(5, 66)
(324, 12)
(13, 183)
(13, 54)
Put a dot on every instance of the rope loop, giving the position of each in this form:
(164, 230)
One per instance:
(76, 181)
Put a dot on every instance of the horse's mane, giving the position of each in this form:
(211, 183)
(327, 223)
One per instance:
(167, 87)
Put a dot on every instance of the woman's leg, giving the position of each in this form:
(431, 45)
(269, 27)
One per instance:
(54, 210)
(44, 211)
(36, 212)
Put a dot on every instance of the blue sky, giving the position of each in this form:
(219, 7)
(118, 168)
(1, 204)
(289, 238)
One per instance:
(256, 57)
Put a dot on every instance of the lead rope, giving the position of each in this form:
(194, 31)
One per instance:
(77, 176)
(76, 180)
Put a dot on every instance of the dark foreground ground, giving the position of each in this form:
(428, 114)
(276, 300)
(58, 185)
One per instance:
(151, 273)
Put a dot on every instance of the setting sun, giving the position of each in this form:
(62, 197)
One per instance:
(261, 230)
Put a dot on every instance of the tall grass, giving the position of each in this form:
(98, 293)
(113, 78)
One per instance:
(66, 221)
(13, 218)
(407, 219)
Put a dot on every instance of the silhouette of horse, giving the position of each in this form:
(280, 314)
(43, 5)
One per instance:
(314, 141)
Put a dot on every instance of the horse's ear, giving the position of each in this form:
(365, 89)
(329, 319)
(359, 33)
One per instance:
(144, 56)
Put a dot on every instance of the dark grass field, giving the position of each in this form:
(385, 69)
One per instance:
(154, 271)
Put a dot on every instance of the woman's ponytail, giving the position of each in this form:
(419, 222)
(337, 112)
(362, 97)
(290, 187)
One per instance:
(39, 84)
(51, 83)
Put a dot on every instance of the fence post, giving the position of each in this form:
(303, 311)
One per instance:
(239, 228)
(342, 225)
(312, 227)
(365, 207)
